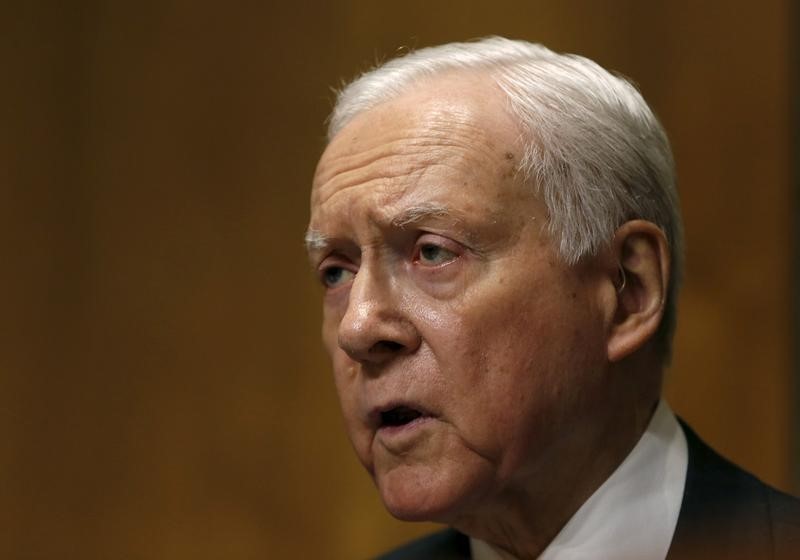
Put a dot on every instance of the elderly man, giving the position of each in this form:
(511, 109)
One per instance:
(497, 231)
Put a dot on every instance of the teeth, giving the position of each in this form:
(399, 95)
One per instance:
(399, 416)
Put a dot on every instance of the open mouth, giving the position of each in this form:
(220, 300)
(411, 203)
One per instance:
(399, 416)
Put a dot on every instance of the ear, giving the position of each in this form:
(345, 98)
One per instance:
(642, 280)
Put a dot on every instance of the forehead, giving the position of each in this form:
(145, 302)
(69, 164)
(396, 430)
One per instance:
(450, 143)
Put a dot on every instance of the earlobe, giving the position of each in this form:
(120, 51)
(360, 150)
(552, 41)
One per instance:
(643, 256)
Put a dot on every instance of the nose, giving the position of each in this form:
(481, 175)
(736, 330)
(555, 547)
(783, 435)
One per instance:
(375, 327)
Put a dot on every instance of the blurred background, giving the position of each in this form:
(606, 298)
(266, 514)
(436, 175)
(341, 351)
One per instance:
(163, 390)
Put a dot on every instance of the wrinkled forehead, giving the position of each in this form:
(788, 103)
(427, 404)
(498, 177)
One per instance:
(446, 117)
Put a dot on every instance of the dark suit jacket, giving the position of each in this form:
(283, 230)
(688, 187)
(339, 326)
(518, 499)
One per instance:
(726, 513)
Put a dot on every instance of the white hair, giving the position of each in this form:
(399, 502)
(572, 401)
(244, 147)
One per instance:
(592, 147)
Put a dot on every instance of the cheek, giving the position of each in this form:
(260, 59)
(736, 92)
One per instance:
(330, 331)
(520, 371)
(347, 389)
(344, 377)
(344, 370)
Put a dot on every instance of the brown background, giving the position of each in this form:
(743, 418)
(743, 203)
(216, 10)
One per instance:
(163, 393)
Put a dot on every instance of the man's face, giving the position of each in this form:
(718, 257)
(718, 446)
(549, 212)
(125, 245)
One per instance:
(467, 357)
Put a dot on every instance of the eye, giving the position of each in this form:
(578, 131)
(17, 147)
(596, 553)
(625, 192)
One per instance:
(431, 253)
(333, 276)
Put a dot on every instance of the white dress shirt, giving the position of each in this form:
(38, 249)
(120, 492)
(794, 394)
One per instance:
(633, 514)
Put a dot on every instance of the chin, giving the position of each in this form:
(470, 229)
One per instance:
(422, 493)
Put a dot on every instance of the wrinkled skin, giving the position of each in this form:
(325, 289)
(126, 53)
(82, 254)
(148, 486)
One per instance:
(444, 293)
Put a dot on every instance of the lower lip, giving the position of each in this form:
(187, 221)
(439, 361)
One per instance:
(404, 433)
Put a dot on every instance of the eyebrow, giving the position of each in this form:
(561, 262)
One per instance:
(318, 241)
(315, 240)
(419, 213)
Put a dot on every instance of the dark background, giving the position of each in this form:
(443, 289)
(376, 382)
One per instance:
(163, 391)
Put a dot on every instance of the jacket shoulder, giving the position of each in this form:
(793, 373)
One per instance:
(785, 516)
(729, 513)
